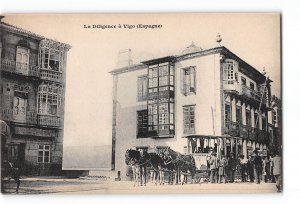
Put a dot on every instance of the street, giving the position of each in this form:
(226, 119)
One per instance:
(86, 185)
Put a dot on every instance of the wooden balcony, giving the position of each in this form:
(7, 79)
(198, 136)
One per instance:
(242, 90)
(51, 75)
(18, 117)
(49, 120)
(244, 131)
(14, 67)
(37, 132)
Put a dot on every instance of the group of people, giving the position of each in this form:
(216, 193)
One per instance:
(254, 168)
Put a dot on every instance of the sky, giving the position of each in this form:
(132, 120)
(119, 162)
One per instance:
(254, 37)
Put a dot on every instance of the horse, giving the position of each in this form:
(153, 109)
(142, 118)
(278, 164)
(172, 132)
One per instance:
(138, 161)
(156, 163)
(185, 164)
(169, 166)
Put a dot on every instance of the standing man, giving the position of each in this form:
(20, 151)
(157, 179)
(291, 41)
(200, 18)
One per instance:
(244, 165)
(213, 167)
(276, 163)
(231, 167)
(257, 166)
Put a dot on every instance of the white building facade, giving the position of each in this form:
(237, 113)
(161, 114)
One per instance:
(192, 102)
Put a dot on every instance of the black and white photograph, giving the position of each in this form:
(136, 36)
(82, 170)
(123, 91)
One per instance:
(143, 103)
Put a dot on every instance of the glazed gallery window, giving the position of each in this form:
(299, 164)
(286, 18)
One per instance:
(43, 154)
(188, 80)
(51, 59)
(189, 119)
(161, 99)
(161, 78)
(142, 123)
(228, 72)
(49, 100)
(161, 116)
(142, 88)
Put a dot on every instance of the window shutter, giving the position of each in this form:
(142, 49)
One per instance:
(182, 80)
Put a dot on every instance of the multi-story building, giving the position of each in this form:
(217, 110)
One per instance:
(191, 102)
(33, 75)
(275, 125)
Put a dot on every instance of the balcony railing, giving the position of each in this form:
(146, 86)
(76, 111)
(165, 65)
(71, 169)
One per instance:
(15, 116)
(232, 85)
(244, 131)
(51, 75)
(14, 67)
(49, 120)
(35, 132)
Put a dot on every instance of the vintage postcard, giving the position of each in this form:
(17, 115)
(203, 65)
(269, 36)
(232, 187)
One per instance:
(141, 103)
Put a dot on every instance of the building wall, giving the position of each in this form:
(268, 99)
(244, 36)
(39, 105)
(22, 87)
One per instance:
(37, 135)
(207, 100)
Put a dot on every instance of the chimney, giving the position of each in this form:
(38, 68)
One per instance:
(124, 58)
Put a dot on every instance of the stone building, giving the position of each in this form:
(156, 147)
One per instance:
(192, 102)
(33, 75)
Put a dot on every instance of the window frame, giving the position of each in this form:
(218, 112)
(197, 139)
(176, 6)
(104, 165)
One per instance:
(188, 83)
(188, 126)
(143, 92)
(44, 150)
(143, 125)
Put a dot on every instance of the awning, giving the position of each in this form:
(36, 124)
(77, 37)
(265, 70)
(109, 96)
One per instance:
(5, 129)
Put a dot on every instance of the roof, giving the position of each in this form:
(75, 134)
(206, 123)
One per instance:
(245, 67)
(17, 30)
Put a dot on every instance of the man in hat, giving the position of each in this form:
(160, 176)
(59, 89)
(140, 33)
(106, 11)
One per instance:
(231, 167)
(257, 166)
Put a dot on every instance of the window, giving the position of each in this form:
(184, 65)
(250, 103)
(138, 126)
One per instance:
(274, 116)
(51, 58)
(22, 60)
(243, 80)
(142, 88)
(22, 55)
(229, 72)
(49, 100)
(238, 115)
(256, 120)
(44, 154)
(189, 119)
(227, 112)
(264, 124)
(19, 108)
(142, 123)
(251, 86)
(160, 99)
(188, 82)
(248, 118)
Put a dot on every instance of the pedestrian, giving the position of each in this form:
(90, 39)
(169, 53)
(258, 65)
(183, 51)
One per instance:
(272, 177)
(213, 167)
(221, 170)
(276, 163)
(257, 166)
(15, 174)
(266, 169)
(244, 167)
(231, 167)
(250, 169)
